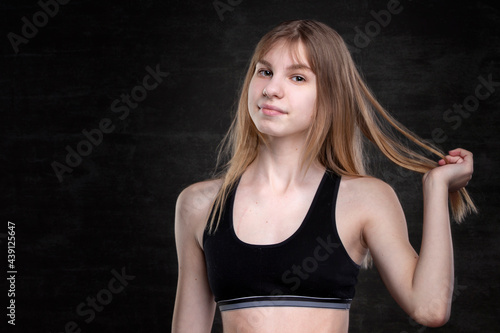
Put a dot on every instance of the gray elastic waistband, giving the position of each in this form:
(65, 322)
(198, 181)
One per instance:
(281, 300)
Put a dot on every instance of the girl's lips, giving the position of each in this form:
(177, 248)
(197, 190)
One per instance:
(270, 110)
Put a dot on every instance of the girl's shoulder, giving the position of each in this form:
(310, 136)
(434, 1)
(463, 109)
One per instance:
(370, 195)
(193, 207)
(197, 198)
(365, 186)
(373, 205)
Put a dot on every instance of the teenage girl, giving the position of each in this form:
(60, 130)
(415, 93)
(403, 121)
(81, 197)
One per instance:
(278, 239)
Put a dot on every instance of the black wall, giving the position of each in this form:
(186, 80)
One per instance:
(113, 214)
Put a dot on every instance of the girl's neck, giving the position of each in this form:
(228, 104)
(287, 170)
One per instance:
(279, 163)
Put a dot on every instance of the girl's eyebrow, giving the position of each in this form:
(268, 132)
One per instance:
(291, 67)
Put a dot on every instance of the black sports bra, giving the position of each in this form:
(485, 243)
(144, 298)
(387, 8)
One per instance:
(311, 268)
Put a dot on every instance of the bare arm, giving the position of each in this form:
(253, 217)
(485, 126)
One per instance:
(421, 284)
(194, 304)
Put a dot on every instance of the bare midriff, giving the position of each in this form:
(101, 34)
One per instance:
(285, 320)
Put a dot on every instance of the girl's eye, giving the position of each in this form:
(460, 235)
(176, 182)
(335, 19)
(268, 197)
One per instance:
(298, 78)
(265, 72)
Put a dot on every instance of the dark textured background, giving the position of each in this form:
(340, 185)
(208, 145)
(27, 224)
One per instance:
(116, 210)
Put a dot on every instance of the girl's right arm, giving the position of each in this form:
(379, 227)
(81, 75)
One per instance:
(194, 304)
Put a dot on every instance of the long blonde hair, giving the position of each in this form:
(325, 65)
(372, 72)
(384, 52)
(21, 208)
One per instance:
(346, 111)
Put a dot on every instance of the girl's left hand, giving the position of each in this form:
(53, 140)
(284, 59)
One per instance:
(456, 171)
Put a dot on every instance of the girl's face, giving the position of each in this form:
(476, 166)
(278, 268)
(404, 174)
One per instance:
(282, 93)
